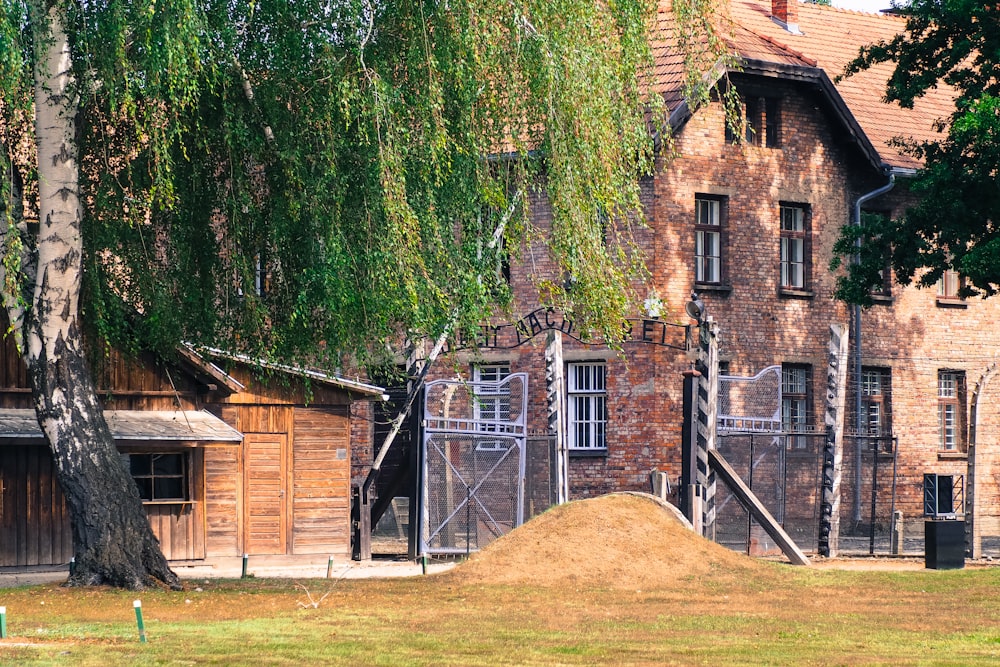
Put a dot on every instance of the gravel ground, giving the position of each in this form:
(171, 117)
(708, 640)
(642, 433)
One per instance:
(258, 567)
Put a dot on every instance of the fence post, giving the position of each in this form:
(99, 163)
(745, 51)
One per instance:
(689, 450)
(555, 390)
(973, 526)
(896, 533)
(833, 447)
(361, 510)
(707, 421)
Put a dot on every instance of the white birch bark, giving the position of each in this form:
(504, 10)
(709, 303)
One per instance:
(112, 540)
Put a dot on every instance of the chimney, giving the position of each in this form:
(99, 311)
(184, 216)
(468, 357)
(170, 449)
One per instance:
(786, 13)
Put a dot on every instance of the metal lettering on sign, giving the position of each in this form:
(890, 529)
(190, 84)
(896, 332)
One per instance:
(543, 320)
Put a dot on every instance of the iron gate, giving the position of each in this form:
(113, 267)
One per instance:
(772, 446)
(784, 471)
(473, 454)
(868, 496)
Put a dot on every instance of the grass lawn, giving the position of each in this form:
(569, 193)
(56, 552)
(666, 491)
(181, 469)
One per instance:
(781, 615)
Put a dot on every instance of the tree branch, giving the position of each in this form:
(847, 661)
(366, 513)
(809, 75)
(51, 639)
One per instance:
(249, 93)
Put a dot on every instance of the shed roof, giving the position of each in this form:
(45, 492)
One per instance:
(330, 379)
(133, 426)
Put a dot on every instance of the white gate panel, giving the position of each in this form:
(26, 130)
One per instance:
(472, 481)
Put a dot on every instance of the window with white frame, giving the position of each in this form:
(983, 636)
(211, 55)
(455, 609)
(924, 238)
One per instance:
(492, 402)
(951, 410)
(708, 221)
(874, 421)
(794, 246)
(795, 386)
(875, 405)
(587, 405)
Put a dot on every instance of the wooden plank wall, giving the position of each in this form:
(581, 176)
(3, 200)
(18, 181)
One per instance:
(321, 469)
(223, 501)
(14, 391)
(278, 388)
(34, 525)
(290, 485)
(257, 418)
(180, 528)
(142, 383)
(123, 383)
(261, 482)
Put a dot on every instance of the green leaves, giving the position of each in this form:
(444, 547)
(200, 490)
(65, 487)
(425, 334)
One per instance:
(954, 42)
(314, 179)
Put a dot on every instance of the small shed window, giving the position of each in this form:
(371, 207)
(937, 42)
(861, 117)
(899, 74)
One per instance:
(160, 476)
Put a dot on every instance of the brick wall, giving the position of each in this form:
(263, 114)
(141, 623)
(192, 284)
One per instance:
(816, 167)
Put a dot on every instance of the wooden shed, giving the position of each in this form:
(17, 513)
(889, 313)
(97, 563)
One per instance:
(253, 459)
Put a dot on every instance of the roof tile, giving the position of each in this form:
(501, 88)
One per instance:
(828, 38)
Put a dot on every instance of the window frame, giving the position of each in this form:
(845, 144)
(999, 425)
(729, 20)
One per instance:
(702, 230)
(591, 428)
(492, 401)
(798, 422)
(951, 394)
(761, 119)
(949, 287)
(772, 122)
(876, 397)
(789, 238)
(488, 229)
(149, 483)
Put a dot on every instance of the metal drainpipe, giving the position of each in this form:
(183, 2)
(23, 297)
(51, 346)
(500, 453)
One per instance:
(856, 221)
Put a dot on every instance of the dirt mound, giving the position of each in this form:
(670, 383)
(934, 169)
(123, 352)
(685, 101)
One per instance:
(620, 540)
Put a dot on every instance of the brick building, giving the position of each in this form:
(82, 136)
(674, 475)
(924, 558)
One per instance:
(750, 226)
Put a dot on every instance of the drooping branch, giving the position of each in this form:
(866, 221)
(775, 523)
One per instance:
(17, 269)
(419, 371)
(248, 92)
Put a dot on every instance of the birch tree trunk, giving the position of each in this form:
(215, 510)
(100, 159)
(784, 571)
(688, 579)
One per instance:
(112, 539)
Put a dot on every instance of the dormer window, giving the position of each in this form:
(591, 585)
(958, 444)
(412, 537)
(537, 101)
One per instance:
(761, 122)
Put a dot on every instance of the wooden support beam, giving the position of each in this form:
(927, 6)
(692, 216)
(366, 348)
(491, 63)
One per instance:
(756, 508)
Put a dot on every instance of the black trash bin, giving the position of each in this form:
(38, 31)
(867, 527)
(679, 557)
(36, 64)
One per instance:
(944, 544)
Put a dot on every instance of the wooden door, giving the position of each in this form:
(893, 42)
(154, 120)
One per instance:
(265, 506)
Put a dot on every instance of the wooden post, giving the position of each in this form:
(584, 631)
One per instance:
(756, 508)
(833, 448)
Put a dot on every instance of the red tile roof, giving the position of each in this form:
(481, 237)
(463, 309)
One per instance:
(828, 38)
